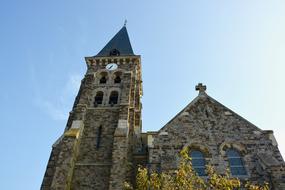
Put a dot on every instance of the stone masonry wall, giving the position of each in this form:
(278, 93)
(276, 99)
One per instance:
(93, 159)
(210, 127)
(48, 177)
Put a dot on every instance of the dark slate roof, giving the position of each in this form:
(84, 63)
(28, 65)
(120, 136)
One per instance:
(119, 42)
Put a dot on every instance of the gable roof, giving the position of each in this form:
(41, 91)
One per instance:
(212, 100)
(119, 42)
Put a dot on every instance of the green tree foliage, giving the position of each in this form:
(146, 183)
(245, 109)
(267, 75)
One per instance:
(185, 178)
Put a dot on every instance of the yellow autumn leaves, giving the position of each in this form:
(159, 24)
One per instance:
(185, 178)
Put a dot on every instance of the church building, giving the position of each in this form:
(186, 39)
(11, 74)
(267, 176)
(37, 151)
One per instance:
(103, 143)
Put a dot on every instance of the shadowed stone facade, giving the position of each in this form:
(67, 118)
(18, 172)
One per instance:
(103, 143)
(208, 126)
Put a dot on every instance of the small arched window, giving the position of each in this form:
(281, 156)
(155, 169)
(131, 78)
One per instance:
(113, 98)
(117, 79)
(114, 52)
(103, 78)
(198, 162)
(98, 98)
(236, 163)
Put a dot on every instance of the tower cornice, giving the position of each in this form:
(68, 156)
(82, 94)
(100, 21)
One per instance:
(104, 60)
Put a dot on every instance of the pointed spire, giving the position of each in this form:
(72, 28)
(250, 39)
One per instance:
(118, 45)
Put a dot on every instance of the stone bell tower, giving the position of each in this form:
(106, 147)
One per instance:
(95, 150)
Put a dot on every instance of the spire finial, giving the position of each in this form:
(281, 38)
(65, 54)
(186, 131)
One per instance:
(125, 23)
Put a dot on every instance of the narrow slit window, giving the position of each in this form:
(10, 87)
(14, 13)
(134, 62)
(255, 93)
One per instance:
(198, 162)
(207, 113)
(236, 163)
(99, 137)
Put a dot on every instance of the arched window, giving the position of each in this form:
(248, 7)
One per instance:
(117, 78)
(98, 98)
(113, 98)
(198, 162)
(103, 78)
(235, 162)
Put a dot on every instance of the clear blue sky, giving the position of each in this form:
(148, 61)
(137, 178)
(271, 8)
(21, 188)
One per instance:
(237, 48)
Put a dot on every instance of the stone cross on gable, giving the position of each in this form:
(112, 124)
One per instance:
(201, 88)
